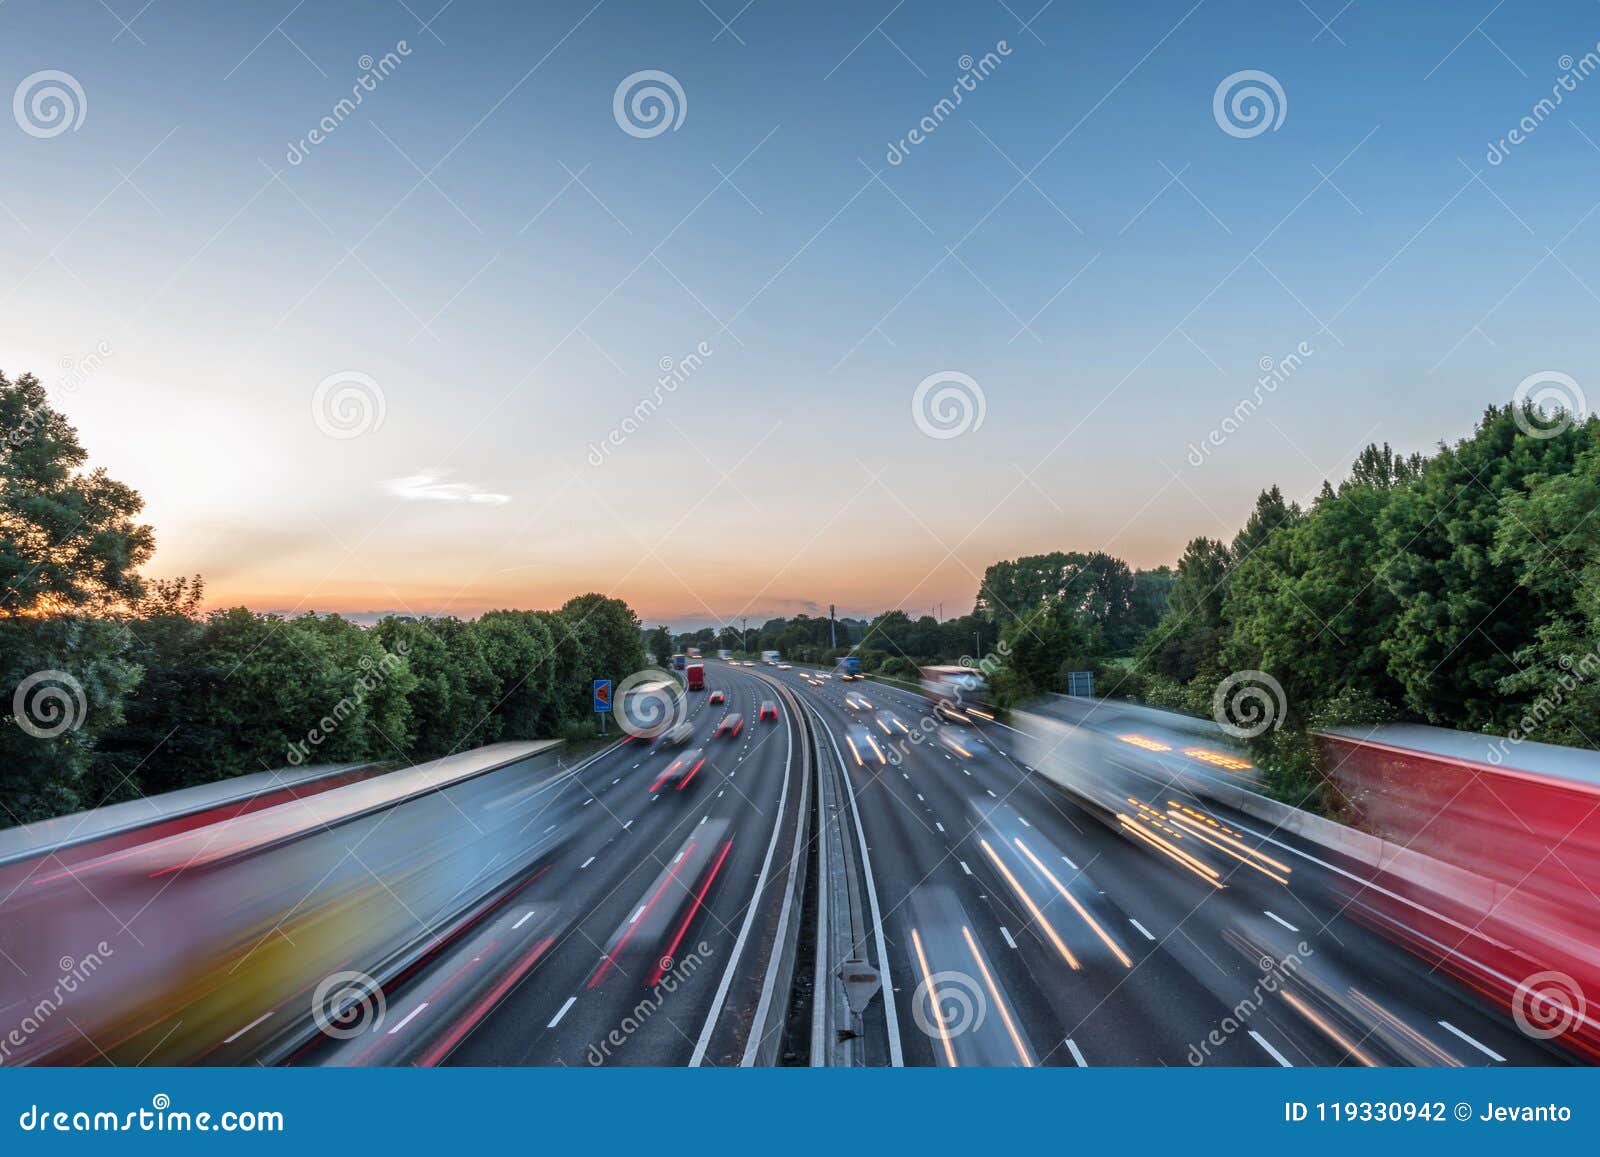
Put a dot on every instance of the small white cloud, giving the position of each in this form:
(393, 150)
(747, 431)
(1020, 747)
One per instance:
(431, 486)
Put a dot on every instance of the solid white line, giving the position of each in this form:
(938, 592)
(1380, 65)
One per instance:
(409, 1017)
(1481, 1047)
(556, 1019)
(526, 916)
(1145, 932)
(1006, 932)
(964, 867)
(1272, 1052)
(585, 863)
(248, 1027)
(1076, 1055)
(1281, 920)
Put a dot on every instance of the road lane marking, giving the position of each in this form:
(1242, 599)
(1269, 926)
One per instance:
(526, 916)
(1006, 932)
(556, 1019)
(588, 801)
(1143, 931)
(1281, 920)
(1076, 1055)
(627, 825)
(964, 867)
(248, 1027)
(412, 1014)
(938, 825)
(919, 796)
(1069, 863)
(1271, 1052)
(964, 771)
(1025, 822)
(616, 781)
(585, 863)
(1481, 1047)
(991, 793)
(635, 917)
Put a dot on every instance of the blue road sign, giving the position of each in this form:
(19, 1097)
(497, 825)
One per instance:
(602, 694)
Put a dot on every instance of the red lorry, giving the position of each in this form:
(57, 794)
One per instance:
(695, 675)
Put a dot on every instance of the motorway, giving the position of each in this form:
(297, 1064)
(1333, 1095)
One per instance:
(1050, 933)
(643, 907)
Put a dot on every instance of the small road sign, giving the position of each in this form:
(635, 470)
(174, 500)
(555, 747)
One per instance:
(602, 695)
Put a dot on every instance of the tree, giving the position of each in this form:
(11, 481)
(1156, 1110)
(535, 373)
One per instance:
(68, 538)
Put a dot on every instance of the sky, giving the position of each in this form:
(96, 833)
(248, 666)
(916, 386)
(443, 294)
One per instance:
(413, 360)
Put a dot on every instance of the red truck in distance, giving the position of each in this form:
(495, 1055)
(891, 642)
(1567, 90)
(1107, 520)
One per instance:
(695, 675)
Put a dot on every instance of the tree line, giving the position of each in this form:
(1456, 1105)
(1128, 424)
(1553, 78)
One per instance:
(119, 686)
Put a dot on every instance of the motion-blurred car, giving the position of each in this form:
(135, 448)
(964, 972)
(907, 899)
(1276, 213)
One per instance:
(730, 726)
(676, 736)
(681, 770)
(769, 710)
(857, 702)
(889, 723)
(783, 666)
(962, 741)
(951, 712)
(716, 697)
(863, 747)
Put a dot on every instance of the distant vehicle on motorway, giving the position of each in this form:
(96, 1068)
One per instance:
(692, 652)
(680, 661)
(849, 667)
(769, 710)
(857, 702)
(770, 658)
(783, 666)
(729, 725)
(676, 736)
(695, 675)
(716, 697)
(725, 656)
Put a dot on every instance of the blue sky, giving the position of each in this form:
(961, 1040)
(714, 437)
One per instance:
(506, 267)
